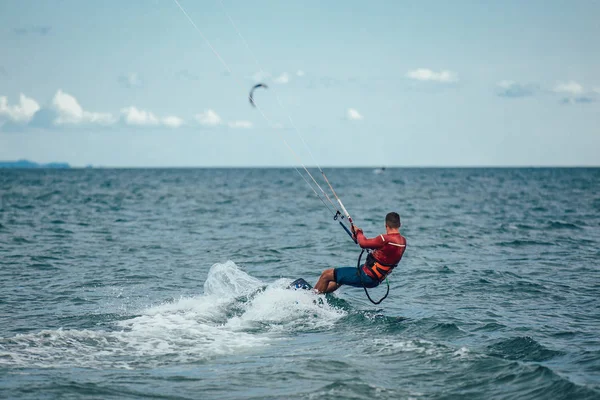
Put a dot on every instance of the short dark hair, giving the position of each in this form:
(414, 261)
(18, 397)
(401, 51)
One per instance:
(393, 220)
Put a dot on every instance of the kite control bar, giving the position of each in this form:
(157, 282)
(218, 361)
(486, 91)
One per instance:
(335, 218)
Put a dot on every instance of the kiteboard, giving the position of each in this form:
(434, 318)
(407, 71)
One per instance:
(300, 284)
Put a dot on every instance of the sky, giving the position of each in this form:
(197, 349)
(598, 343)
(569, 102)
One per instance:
(147, 83)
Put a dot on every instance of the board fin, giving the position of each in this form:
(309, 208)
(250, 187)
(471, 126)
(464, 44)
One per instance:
(300, 284)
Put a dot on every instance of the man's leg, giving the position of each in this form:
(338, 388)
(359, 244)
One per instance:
(332, 287)
(326, 283)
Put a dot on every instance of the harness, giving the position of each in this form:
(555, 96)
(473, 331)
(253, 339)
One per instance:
(363, 283)
(378, 269)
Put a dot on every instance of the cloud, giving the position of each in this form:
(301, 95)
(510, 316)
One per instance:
(578, 100)
(282, 79)
(44, 119)
(69, 112)
(240, 124)
(571, 92)
(208, 118)
(572, 88)
(515, 90)
(130, 81)
(136, 117)
(353, 115)
(424, 74)
(22, 112)
(574, 93)
(64, 110)
(36, 30)
(585, 99)
(13, 127)
(172, 121)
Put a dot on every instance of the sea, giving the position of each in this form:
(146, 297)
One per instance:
(172, 284)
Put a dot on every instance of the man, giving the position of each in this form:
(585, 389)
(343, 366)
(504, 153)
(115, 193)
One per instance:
(389, 249)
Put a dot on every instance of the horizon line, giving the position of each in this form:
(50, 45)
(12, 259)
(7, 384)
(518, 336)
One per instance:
(310, 167)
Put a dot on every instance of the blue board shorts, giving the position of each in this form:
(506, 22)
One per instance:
(349, 276)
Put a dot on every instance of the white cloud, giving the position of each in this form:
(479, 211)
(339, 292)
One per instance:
(240, 124)
(300, 73)
(65, 110)
(208, 118)
(512, 89)
(424, 74)
(134, 116)
(353, 114)
(571, 87)
(67, 107)
(22, 112)
(211, 118)
(69, 112)
(172, 121)
(506, 84)
(282, 79)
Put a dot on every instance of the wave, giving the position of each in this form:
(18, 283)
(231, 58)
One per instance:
(394, 347)
(524, 243)
(49, 195)
(357, 389)
(562, 225)
(522, 349)
(445, 270)
(237, 313)
(490, 327)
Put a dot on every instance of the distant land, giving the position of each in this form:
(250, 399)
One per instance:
(31, 164)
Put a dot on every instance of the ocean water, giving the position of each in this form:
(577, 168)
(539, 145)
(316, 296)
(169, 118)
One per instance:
(170, 284)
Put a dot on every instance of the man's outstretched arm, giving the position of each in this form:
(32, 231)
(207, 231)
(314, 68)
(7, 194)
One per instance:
(363, 242)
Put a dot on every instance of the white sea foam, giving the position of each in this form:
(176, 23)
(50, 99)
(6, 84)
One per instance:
(237, 313)
(463, 352)
(226, 281)
(392, 346)
(284, 310)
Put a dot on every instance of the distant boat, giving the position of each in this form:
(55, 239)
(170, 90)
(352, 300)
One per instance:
(379, 170)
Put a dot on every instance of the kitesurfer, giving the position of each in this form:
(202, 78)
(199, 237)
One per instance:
(388, 250)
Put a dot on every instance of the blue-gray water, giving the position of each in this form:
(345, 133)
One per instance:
(170, 284)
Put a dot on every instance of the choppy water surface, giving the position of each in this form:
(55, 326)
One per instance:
(171, 284)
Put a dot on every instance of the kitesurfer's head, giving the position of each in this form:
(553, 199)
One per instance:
(392, 220)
